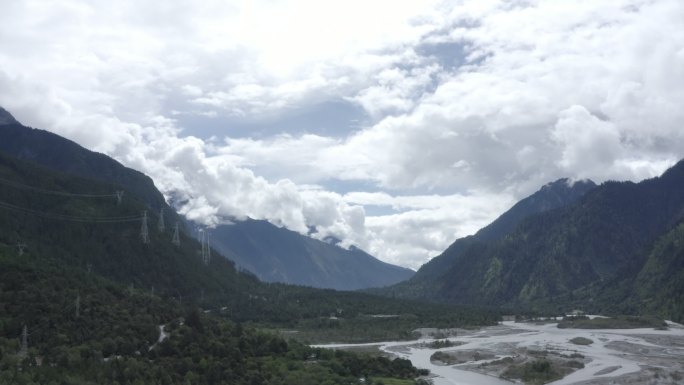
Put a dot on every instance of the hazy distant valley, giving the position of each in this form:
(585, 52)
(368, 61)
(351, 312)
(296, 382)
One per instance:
(541, 352)
(100, 281)
(299, 192)
(103, 281)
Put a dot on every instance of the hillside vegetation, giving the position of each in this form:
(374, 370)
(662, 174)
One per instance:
(110, 336)
(272, 253)
(92, 295)
(616, 249)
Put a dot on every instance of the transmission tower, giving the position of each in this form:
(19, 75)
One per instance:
(208, 250)
(119, 196)
(78, 305)
(176, 236)
(160, 225)
(204, 241)
(202, 244)
(23, 351)
(144, 234)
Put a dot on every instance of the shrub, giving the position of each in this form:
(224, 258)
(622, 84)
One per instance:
(581, 341)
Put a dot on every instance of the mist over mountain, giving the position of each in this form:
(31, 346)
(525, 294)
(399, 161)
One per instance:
(552, 195)
(61, 154)
(271, 253)
(93, 290)
(279, 255)
(6, 117)
(608, 248)
(231, 192)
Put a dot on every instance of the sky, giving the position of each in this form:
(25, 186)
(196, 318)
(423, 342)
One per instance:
(394, 126)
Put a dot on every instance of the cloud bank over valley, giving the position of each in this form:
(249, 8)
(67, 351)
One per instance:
(393, 126)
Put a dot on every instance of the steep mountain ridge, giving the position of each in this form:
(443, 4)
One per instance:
(6, 117)
(84, 300)
(659, 285)
(279, 255)
(605, 252)
(553, 195)
(47, 212)
(61, 154)
(305, 261)
(47, 222)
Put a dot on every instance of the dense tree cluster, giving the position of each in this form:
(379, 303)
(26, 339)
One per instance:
(114, 339)
(93, 298)
(616, 250)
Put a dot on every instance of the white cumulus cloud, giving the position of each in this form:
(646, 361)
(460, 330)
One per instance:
(469, 105)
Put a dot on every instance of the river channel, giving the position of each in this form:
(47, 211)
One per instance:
(614, 356)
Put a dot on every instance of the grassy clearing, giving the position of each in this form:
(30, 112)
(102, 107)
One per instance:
(391, 381)
(533, 373)
(582, 341)
(440, 344)
(619, 322)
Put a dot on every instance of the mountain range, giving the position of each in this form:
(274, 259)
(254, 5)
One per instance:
(279, 255)
(271, 253)
(551, 196)
(93, 291)
(617, 247)
(613, 248)
(59, 223)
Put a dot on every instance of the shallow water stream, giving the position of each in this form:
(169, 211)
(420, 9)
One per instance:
(645, 356)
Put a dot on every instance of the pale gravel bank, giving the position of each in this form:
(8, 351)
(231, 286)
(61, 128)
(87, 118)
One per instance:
(616, 356)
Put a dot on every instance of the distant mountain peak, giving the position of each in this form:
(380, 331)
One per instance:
(332, 240)
(6, 118)
(276, 254)
(558, 193)
(674, 172)
(615, 247)
(559, 182)
(568, 183)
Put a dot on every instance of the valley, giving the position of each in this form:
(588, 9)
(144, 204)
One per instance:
(121, 291)
(91, 291)
(297, 192)
(485, 356)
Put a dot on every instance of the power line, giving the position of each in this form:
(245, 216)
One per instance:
(41, 326)
(22, 248)
(35, 329)
(23, 351)
(204, 242)
(176, 236)
(160, 224)
(208, 250)
(119, 196)
(144, 234)
(56, 192)
(64, 217)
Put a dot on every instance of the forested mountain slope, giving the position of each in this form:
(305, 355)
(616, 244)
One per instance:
(615, 250)
(60, 154)
(273, 254)
(83, 329)
(75, 271)
(551, 196)
(279, 255)
(79, 224)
